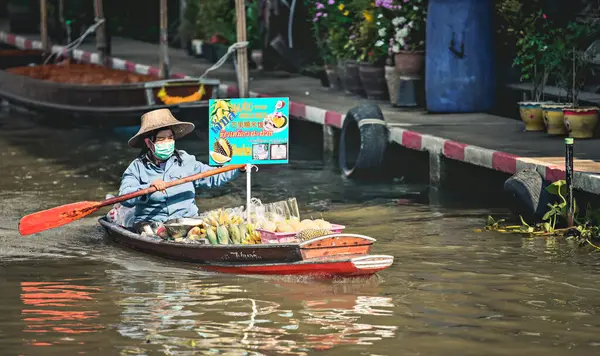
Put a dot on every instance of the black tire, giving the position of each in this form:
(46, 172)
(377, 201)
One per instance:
(529, 198)
(363, 141)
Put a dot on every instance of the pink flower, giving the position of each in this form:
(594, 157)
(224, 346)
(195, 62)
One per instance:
(544, 16)
(325, 15)
(331, 2)
(320, 6)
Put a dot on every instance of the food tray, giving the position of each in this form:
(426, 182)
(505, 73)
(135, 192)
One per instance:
(270, 237)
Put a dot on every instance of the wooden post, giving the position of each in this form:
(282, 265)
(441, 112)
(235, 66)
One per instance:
(100, 31)
(183, 38)
(44, 25)
(61, 12)
(164, 41)
(242, 56)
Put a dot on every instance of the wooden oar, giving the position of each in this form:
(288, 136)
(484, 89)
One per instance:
(65, 214)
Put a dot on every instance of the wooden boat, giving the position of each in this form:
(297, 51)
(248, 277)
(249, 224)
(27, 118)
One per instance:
(335, 255)
(88, 94)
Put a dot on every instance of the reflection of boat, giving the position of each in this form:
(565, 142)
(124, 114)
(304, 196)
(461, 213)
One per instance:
(93, 94)
(344, 255)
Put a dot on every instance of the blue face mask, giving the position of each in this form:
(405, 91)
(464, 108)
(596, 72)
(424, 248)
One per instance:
(164, 150)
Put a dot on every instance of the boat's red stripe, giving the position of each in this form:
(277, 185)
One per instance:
(343, 268)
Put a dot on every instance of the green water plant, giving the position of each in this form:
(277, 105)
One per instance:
(553, 222)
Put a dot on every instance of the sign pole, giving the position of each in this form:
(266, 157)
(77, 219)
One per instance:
(248, 191)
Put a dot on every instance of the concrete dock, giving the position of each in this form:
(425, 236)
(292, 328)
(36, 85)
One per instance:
(480, 139)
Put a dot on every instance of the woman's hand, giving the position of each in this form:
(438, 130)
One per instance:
(159, 185)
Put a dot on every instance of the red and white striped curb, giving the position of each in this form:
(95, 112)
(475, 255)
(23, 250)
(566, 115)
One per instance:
(475, 155)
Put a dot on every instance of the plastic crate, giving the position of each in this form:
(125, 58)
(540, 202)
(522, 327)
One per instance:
(270, 237)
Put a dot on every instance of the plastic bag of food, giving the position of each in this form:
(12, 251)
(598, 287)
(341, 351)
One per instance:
(120, 214)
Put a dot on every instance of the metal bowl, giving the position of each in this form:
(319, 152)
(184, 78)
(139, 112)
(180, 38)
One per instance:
(178, 228)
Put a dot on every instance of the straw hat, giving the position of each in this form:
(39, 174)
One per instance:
(158, 119)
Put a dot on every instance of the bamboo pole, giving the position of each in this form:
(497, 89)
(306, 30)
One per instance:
(44, 25)
(164, 41)
(242, 56)
(100, 31)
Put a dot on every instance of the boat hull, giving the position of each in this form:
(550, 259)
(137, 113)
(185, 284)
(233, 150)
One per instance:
(346, 266)
(109, 105)
(336, 255)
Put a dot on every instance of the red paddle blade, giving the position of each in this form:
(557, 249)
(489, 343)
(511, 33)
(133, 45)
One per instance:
(55, 217)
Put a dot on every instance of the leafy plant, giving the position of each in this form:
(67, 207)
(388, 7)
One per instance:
(532, 48)
(408, 24)
(586, 228)
(331, 21)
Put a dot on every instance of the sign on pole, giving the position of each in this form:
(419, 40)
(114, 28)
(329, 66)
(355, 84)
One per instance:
(248, 131)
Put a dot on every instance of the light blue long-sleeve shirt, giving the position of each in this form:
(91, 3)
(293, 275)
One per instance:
(176, 202)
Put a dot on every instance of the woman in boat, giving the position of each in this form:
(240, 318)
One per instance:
(159, 162)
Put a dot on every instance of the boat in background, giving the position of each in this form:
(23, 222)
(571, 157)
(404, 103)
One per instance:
(76, 94)
(330, 256)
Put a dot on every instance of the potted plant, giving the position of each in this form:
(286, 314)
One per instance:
(372, 54)
(214, 21)
(556, 61)
(580, 121)
(320, 11)
(385, 41)
(408, 42)
(531, 49)
(351, 65)
(336, 40)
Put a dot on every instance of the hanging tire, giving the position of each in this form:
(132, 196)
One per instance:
(529, 198)
(363, 141)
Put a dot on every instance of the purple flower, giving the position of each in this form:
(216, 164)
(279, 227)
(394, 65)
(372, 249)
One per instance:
(315, 19)
(406, 1)
(324, 14)
(320, 6)
(352, 37)
(331, 2)
(319, 14)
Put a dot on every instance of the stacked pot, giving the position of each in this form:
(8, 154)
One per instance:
(559, 119)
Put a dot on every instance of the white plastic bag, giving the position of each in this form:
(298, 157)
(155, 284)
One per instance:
(120, 214)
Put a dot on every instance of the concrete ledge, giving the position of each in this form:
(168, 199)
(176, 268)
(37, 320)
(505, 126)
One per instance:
(475, 155)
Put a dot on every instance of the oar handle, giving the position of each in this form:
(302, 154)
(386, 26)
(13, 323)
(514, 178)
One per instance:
(153, 189)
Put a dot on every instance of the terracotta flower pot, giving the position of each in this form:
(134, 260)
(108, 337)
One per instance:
(554, 118)
(392, 79)
(332, 75)
(372, 78)
(581, 122)
(532, 115)
(353, 84)
(409, 63)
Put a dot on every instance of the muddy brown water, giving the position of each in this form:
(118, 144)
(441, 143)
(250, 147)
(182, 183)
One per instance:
(451, 291)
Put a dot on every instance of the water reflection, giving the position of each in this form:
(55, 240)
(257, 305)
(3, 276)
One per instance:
(184, 317)
(55, 311)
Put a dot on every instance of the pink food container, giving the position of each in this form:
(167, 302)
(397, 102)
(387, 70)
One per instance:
(270, 237)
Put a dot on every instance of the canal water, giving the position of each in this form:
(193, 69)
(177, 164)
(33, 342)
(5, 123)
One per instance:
(451, 291)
